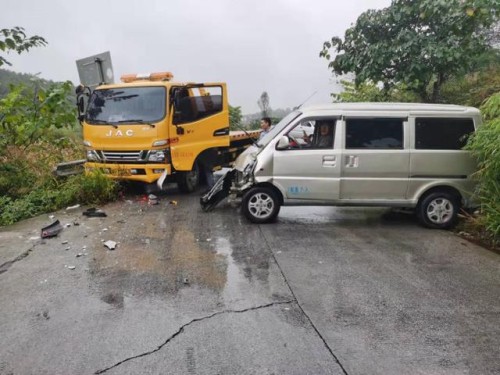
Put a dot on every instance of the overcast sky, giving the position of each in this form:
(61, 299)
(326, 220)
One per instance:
(254, 46)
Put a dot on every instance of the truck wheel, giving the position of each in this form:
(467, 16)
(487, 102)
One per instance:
(260, 205)
(438, 210)
(188, 181)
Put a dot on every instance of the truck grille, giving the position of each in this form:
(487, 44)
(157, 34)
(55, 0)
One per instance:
(122, 156)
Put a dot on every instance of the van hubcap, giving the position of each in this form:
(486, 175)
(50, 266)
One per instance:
(261, 205)
(440, 211)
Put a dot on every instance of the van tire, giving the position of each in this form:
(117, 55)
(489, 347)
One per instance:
(439, 210)
(260, 205)
(188, 181)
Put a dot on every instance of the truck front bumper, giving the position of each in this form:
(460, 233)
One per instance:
(147, 173)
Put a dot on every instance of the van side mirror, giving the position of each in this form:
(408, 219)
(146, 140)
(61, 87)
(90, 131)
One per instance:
(283, 143)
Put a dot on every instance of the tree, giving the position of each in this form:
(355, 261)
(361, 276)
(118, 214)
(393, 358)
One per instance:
(417, 43)
(263, 103)
(16, 40)
(235, 117)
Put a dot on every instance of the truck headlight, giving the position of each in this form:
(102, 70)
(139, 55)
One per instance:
(157, 156)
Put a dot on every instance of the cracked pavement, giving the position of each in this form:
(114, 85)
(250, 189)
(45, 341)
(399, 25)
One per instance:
(322, 291)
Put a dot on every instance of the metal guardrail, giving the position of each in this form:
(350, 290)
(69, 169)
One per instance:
(69, 168)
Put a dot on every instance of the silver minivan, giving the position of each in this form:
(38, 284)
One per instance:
(359, 154)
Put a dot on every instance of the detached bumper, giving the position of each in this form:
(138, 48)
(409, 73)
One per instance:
(147, 173)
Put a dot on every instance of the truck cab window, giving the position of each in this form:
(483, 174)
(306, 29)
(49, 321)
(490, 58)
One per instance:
(196, 103)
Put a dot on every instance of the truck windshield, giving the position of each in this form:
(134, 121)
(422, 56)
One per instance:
(126, 105)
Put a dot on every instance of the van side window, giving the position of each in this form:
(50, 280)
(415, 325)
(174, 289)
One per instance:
(200, 103)
(442, 133)
(374, 133)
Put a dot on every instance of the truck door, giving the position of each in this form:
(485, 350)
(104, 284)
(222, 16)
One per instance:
(309, 168)
(200, 121)
(375, 159)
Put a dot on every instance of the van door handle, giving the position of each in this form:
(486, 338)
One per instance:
(329, 161)
(351, 161)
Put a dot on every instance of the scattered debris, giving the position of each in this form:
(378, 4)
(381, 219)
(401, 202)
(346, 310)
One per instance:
(52, 230)
(68, 248)
(51, 217)
(71, 267)
(111, 245)
(67, 225)
(94, 212)
(79, 255)
(64, 242)
(104, 229)
(185, 280)
(152, 199)
(209, 239)
(76, 223)
(73, 207)
(173, 202)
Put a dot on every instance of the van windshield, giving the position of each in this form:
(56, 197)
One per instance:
(125, 105)
(276, 129)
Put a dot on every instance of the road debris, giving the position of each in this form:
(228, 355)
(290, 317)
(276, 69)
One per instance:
(152, 199)
(173, 202)
(72, 207)
(51, 230)
(111, 245)
(71, 267)
(79, 255)
(94, 212)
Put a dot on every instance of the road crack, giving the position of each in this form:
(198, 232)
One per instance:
(181, 329)
(300, 307)
(5, 266)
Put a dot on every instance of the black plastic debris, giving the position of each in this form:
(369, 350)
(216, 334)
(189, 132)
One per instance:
(94, 212)
(51, 230)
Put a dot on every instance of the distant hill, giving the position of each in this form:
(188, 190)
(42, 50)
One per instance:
(8, 77)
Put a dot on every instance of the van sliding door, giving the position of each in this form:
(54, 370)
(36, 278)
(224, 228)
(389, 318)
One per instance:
(375, 160)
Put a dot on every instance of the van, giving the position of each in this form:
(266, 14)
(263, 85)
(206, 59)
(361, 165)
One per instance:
(360, 154)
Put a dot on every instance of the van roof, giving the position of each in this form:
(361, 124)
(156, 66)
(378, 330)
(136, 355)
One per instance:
(392, 107)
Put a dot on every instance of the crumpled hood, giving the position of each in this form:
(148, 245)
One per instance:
(246, 157)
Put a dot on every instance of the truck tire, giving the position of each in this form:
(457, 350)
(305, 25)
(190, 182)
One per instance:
(188, 181)
(438, 210)
(260, 205)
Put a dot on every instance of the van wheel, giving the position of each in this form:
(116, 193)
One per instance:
(439, 210)
(260, 205)
(188, 181)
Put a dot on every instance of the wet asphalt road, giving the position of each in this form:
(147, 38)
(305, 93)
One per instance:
(321, 291)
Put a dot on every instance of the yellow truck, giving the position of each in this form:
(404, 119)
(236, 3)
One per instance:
(151, 129)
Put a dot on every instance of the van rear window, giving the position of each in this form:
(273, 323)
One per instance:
(433, 133)
(374, 133)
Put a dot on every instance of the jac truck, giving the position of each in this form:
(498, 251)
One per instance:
(151, 129)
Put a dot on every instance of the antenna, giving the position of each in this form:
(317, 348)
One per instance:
(309, 97)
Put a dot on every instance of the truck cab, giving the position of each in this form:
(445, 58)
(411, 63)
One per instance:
(150, 129)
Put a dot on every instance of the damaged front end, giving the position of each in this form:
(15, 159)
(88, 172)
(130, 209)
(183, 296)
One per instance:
(231, 185)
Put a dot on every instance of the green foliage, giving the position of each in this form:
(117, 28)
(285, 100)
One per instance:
(27, 113)
(235, 117)
(370, 92)
(485, 146)
(417, 43)
(16, 40)
(92, 188)
(472, 89)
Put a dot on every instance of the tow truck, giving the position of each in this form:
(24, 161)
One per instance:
(151, 129)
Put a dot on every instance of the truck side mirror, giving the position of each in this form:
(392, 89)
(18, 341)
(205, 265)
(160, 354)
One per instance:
(81, 108)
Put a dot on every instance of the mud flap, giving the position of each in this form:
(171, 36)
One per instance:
(218, 192)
